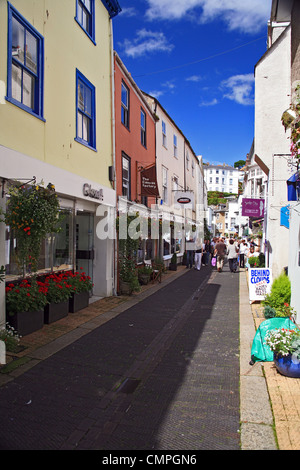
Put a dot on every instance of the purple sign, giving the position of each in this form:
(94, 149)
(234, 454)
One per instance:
(253, 207)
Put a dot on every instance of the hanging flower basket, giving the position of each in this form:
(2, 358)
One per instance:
(32, 213)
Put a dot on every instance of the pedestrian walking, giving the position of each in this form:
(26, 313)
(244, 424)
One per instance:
(189, 258)
(198, 256)
(243, 251)
(232, 254)
(220, 252)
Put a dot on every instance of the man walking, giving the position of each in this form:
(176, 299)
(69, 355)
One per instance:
(220, 251)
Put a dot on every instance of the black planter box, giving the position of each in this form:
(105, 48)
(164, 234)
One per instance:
(173, 267)
(78, 301)
(26, 322)
(54, 312)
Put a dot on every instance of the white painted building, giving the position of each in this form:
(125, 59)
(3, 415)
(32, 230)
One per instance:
(223, 178)
(178, 169)
(272, 146)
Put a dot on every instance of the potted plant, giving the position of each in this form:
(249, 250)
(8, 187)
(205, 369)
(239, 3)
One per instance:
(144, 274)
(285, 344)
(80, 285)
(58, 292)
(25, 304)
(173, 263)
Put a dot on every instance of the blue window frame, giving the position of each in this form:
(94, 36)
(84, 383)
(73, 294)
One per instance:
(25, 64)
(85, 111)
(85, 17)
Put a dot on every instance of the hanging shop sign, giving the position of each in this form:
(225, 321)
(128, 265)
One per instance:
(148, 182)
(184, 199)
(253, 207)
(260, 281)
(91, 192)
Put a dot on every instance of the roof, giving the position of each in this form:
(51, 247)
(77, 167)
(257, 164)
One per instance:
(112, 7)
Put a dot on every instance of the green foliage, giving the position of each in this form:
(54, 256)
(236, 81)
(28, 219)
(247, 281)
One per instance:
(32, 213)
(24, 297)
(216, 197)
(174, 258)
(280, 292)
(269, 312)
(257, 261)
(127, 257)
(239, 164)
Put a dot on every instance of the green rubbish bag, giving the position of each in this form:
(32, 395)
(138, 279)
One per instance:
(261, 351)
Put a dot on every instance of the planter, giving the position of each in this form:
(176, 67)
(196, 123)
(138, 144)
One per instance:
(79, 301)
(173, 266)
(54, 312)
(144, 278)
(125, 288)
(26, 322)
(286, 366)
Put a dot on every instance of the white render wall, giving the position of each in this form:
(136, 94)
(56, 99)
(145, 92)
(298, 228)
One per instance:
(272, 90)
(294, 256)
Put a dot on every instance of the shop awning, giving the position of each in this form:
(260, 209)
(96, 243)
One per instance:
(293, 187)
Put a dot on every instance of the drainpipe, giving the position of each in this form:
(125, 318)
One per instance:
(115, 260)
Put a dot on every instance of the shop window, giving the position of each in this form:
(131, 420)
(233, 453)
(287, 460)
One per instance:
(56, 251)
(85, 111)
(25, 85)
(85, 17)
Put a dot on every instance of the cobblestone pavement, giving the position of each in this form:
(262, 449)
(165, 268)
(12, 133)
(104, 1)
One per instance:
(152, 377)
(162, 374)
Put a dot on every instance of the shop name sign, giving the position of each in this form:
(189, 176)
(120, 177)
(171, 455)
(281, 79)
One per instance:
(260, 281)
(253, 207)
(91, 192)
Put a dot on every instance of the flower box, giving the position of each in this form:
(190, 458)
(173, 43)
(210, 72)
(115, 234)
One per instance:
(78, 301)
(26, 322)
(55, 311)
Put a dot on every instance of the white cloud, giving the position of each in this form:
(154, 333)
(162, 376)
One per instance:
(156, 94)
(146, 42)
(194, 78)
(130, 11)
(248, 16)
(239, 88)
(213, 102)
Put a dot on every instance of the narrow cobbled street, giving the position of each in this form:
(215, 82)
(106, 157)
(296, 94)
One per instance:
(164, 374)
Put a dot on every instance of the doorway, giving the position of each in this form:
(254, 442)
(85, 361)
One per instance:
(84, 242)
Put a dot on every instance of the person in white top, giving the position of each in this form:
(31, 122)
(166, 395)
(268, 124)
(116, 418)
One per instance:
(243, 251)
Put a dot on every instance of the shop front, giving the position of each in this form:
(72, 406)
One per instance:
(76, 245)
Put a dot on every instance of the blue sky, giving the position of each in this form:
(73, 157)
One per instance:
(197, 58)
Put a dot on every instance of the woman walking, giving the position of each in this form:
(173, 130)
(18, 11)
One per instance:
(232, 255)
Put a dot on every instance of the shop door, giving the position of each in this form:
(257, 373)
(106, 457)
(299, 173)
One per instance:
(84, 239)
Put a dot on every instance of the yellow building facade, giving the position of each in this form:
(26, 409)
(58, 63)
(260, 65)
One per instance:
(56, 118)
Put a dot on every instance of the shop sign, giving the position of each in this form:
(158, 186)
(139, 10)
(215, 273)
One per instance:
(148, 182)
(260, 282)
(93, 193)
(253, 207)
(184, 199)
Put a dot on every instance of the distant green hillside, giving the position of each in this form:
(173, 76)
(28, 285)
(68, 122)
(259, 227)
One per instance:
(216, 197)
